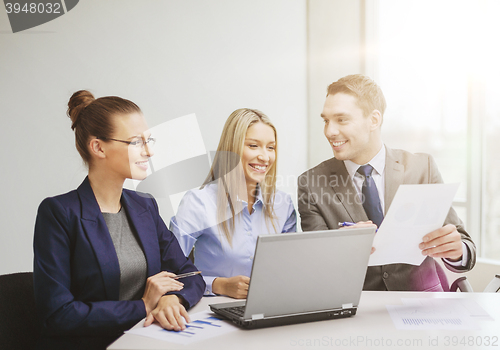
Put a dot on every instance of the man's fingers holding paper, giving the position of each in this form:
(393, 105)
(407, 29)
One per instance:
(444, 242)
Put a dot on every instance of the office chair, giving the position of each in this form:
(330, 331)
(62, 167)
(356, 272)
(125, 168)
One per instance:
(461, 283)
(464, 285)
(19, 327)
(494, 285)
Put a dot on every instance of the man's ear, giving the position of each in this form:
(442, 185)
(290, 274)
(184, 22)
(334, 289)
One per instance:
(376, 119)
(96, 148)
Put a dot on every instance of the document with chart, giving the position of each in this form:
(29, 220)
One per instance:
(203, 325)
(415, 211)
(438, 314)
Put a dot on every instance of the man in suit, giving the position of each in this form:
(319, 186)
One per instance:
(359, 183)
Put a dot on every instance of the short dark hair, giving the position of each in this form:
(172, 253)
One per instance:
(368, 94)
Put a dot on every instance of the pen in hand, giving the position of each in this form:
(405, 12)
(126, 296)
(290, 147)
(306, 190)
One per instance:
(187, 274)
(346, 223)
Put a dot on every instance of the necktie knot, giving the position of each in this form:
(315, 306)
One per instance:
(365, 170)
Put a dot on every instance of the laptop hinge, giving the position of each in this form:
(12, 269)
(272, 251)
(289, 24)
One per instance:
(257, 316)
(347, 306)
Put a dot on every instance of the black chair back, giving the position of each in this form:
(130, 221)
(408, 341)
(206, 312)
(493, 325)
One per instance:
(19, 326)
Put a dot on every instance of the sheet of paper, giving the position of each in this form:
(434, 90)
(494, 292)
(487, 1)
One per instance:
(437, 314)
(415, 211)
(203, 325)
(470, 307)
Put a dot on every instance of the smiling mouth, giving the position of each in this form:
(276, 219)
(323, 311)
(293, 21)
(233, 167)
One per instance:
(338, 143)
(259, 168)
(143, 164)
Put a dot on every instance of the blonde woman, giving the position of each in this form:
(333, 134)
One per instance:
(237, 202)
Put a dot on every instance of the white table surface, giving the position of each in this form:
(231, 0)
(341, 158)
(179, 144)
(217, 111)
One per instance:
(370, 328)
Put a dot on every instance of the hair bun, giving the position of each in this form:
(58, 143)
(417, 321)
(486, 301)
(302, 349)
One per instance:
(77, 103)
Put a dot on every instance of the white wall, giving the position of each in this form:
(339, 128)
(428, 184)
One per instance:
(334, 37)
(172, 58)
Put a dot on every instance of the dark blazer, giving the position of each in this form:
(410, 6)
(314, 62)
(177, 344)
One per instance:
(76, 270)
(327, 196)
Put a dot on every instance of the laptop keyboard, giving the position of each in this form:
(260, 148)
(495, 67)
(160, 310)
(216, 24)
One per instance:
(236, 310)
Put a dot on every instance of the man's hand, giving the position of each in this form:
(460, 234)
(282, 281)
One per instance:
(445, 242)
(234, 287)
(168, 314)
(361, 224)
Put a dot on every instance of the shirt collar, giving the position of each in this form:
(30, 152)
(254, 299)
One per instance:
(377, 162)
(259, 195)
(258, 198)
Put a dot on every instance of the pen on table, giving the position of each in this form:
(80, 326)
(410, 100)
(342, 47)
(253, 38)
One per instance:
(187, 274)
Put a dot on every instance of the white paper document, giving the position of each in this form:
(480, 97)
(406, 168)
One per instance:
(437, 314)
(415, 211)
(203, 325)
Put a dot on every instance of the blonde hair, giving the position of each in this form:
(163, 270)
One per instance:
(228, 174)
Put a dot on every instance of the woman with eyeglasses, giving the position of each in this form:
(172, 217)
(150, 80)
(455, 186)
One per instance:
(103, 257)
(237, 202)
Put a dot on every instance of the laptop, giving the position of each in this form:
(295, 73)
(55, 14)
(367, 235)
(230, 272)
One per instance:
(303, 277)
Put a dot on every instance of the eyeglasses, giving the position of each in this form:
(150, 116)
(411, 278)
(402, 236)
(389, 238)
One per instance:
(137, 143)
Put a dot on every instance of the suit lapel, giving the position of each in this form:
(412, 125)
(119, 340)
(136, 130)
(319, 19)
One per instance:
(98, 235)
(144, 225)
(394, 176)
(345, 191)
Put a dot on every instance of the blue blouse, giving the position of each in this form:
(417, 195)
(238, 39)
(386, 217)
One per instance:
(196, 225)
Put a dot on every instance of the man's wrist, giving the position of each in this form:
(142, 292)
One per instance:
(455, 260)
(462, 261)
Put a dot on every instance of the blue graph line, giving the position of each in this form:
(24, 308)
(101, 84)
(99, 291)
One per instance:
(213, 318)
(183, 334)
(206, 322)
(190, 326)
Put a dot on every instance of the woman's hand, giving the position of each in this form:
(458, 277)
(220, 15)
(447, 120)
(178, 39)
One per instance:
(234, 287)
(157, 286)
(168, 313)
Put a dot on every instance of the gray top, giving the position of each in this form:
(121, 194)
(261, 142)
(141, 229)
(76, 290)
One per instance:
(133, 266)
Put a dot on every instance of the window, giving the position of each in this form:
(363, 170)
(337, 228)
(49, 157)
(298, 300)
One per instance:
(438, 65)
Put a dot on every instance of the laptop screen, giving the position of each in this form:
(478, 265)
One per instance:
(307, 272)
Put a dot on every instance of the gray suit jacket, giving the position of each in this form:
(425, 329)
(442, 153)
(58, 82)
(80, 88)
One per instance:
(327, 196)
